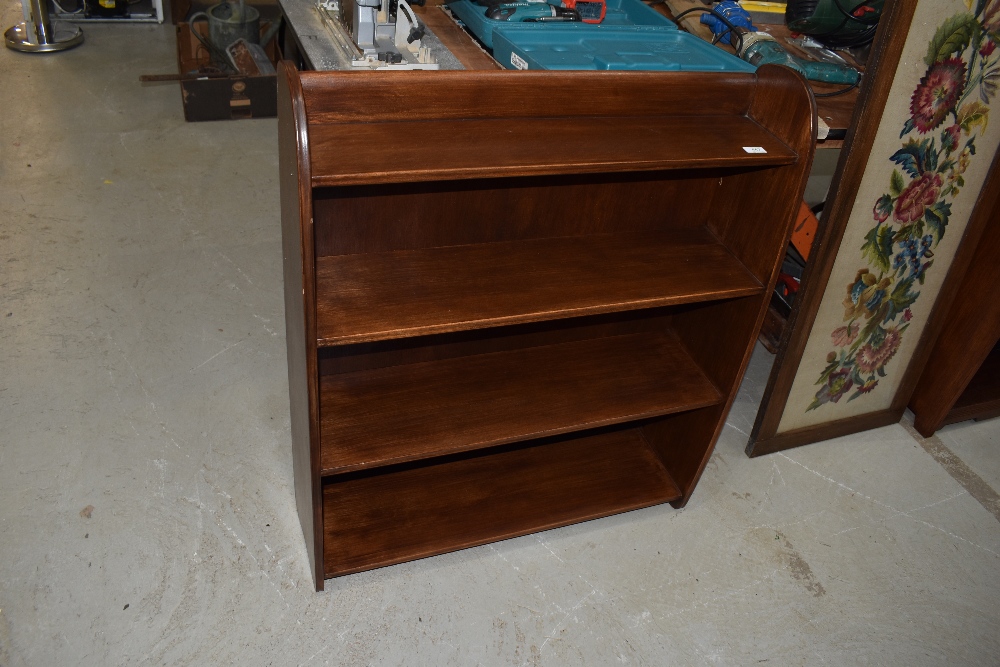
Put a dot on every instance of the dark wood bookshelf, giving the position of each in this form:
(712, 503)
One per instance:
(516, 301)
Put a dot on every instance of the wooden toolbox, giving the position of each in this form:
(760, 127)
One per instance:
(225, 98)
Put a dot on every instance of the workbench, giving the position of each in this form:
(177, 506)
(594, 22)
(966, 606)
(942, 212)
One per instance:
(313, 43)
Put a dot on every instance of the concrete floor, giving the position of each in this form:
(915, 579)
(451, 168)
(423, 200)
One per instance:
(146, 509)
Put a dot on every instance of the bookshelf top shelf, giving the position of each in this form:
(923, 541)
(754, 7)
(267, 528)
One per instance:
(373, 128)
(487, 147)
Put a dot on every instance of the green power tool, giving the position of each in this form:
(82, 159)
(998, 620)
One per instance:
(531, 11)
(836, 23)
(838, 26)
(760, 48)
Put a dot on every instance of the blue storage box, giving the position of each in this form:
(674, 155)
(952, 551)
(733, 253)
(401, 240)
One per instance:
(609, 48)
(619, 13)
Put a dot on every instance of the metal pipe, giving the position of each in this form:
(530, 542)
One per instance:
(40, 19)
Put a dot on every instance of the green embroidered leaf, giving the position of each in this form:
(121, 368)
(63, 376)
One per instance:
(878, 335)
(878, 246)
(912, 156)
(973, 114)
(908, 127)
(867, 331)
(931, 157)
(900, 299)
(883, 208)
(896, 183)
(937, 219)
(825, 375)
(911, 231)
(953, 36)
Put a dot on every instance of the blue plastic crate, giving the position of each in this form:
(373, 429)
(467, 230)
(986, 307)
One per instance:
(619, 13)
(610, 48)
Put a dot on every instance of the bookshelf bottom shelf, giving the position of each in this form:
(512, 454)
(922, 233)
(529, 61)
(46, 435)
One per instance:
(389, 515)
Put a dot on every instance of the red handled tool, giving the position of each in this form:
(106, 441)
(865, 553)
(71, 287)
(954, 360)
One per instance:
(591, 11)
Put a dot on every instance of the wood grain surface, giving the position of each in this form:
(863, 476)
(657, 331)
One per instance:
(409, 216)
(981, 398)
(387, 517)
(411, 411)
(426, 152)
(456, 40)
(300, 322)
(377, 97)
(418, 292)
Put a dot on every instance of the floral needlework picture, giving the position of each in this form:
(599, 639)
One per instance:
(948, 110)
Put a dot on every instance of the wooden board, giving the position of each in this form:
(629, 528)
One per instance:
(456, 40)
(981, 399)
(406, 412)
(380, 519)
(381, 296)
(514, 148)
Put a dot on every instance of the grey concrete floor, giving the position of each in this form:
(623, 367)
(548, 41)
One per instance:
(146, 509)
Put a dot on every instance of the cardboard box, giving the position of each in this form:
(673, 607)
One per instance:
(225, 98)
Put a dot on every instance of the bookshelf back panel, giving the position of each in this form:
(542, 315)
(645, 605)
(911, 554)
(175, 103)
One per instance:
(384, 217)
(381, 354)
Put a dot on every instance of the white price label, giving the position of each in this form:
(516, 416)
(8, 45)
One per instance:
(517, 61)
(754, 149)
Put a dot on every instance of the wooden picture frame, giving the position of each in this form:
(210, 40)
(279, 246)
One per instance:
(909, 29)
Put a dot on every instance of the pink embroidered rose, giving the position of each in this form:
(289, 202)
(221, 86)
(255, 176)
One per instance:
(920, 193)
(873, 356)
